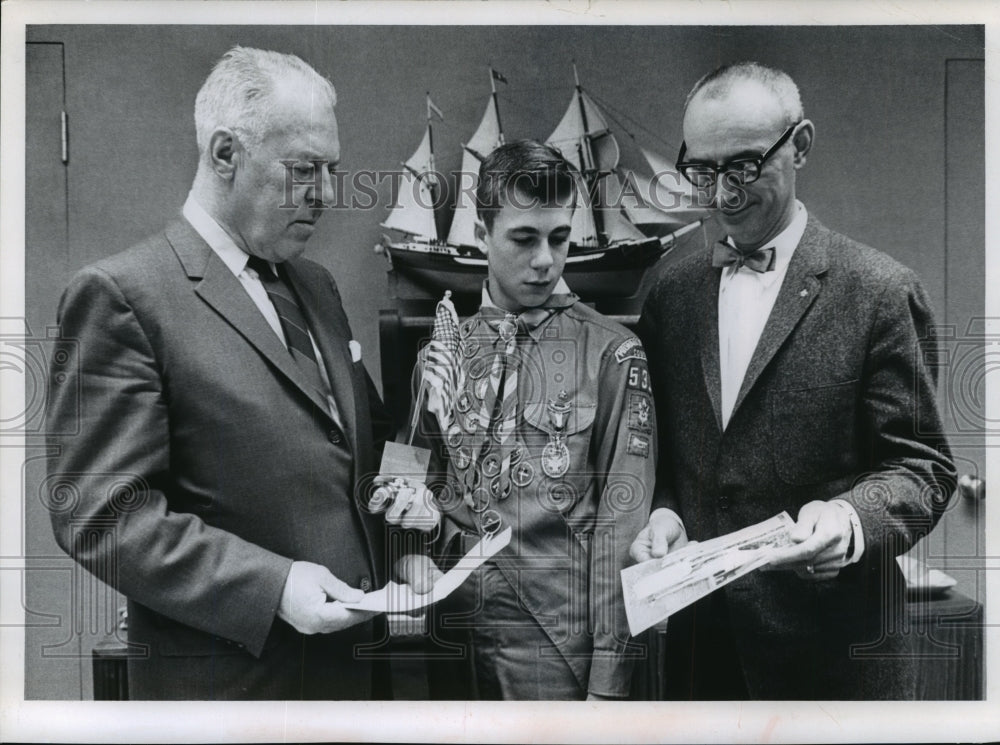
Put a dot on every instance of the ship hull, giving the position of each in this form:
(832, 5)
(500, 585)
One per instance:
(614, 271)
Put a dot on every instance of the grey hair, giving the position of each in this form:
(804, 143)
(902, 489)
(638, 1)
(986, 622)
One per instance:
(237, 93)
(720, 82)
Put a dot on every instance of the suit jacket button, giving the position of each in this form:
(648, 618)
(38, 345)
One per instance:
(335, 437)
(365, 584)
(723, 502)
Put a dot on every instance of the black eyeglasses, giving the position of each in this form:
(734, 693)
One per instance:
(739, 171)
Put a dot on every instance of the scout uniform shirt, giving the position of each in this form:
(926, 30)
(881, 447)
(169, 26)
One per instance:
(579, 472)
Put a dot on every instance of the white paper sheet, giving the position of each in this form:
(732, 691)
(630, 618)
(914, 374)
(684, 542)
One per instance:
(657, 588)
(398, 598)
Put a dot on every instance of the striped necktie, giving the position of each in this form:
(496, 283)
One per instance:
(293, 323)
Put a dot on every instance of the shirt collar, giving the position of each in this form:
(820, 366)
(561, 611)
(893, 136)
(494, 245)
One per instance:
(561, 288)
(215, 236)
(784, 246)
(534, 318)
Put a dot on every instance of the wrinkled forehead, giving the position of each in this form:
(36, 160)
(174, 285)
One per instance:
(309, 125)
(720, 123)
(302, 103)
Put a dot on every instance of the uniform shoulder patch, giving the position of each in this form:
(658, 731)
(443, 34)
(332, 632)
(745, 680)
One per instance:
(640, 412)
(630, 349)
(638, 445)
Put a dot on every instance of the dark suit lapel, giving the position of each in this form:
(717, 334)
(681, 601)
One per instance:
(223, 291)
(799, 290)
(332, 337)
(708, 298)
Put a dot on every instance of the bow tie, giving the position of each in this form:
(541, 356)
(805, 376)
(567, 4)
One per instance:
(761, 260)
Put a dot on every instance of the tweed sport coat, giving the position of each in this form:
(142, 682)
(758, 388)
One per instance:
(837, 402)
(205, 464)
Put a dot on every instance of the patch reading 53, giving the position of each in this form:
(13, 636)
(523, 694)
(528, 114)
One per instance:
(638, 377)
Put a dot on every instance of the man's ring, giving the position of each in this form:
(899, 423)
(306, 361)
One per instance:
(810, 569)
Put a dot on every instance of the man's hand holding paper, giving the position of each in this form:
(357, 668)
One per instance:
(312, 601)
(659, 587)
(418, 571)
(664, 532)
(820, 542)
(429, 585)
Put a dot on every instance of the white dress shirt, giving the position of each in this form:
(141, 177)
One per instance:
(746, 298)
(235, 258)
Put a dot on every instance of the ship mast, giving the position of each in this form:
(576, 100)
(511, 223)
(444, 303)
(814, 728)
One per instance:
(431, 176)
(587, 160)
(487, 137)
(496, 104)
(412, 212)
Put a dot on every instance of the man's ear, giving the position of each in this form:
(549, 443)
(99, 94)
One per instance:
(481, 236)
(223, 149)
(803, 140)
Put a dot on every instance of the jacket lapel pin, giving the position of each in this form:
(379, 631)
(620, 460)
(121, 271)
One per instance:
(355, 350)
(803, 293)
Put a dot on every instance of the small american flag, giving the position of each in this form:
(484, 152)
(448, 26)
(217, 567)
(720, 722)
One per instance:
(442, 367)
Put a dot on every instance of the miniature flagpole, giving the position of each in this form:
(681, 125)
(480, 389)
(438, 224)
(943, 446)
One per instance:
(417, 406)
(441, 374)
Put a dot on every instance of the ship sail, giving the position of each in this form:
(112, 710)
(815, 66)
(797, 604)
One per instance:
(413, 211)
(617, 225)
(608, 253)
(669, 191)
(639, 203)
(485, 140)
(583, 137)
(571, 135)
(583, 228)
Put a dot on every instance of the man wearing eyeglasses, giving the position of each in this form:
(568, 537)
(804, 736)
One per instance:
(789, 376)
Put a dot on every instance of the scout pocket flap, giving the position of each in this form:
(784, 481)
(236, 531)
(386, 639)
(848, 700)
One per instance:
(539, 414)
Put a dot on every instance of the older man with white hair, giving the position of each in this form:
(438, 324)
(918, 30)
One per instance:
(226, 418)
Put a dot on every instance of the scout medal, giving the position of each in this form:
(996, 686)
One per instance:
(555, 455)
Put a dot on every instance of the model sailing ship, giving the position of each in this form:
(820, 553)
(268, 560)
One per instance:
(622, 225)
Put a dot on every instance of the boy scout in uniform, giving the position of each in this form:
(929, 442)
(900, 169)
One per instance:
(552, 434)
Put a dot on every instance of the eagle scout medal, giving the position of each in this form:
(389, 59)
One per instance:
(555, 454)
(555, 458)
